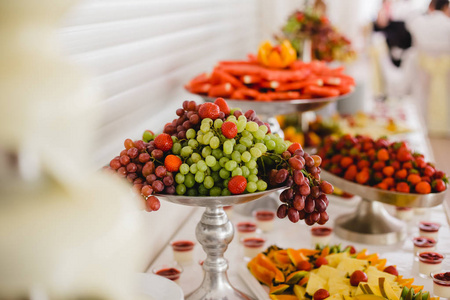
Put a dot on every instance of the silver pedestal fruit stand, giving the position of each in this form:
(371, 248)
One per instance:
(371, 223)
(266, 111)
(214, 232)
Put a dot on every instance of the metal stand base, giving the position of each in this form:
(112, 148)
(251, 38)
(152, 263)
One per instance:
(370, 224)
(214, 232)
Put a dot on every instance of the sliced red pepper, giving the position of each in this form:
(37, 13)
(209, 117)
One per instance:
(344, 89)
(251, 79)
(292, 86)
(321, 91)
(225, 77)
(263, 97)
(250, 93)
(222, 90)
(202, 78)
(284, 75)
(198, 88)
(241, 70)
(269, 84)
(283, 95)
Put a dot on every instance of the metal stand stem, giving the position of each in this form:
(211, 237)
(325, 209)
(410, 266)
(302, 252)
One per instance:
(214, 232)
(370, 224)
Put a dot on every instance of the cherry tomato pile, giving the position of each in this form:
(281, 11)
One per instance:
(250, 80)
(381, 164)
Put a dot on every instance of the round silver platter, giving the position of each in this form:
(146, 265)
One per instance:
(371, 223)
(279, 107)
(214, 232)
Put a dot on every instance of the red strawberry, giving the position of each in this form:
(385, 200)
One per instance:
(172, 163)
(223, 106)
(237, 184)
(229, 129)
(209, 110)
(163, 142)
(404, 154)
(293, 147)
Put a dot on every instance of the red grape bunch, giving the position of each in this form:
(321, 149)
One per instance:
(306, 198)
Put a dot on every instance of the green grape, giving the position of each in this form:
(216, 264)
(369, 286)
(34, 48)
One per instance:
(179, 178)
(224, 174)
(205, 127)
(210, 161)
(236, 172)
(199, 176)
(253, 178)
(256, 141)
(236, 156)
(234, 109)
(223, 161)
(208, 182)
(280, 147)
(227, 155)
(264, 129)
(207, 138)
(184, 143)
(193, 143)
(254, 171)
(174, 139)
(189, 180)
(176, 148)
(190, 133)
(192, 192)
(271, 145)
(241, 125)
(180, 189)
(230, 165)
(216, 167)
(259, 134)
(217, 153)
(200, 138)
(248, 134)
(241, 148)
(242, 118)
(261, 185)
(214, 142)
(226, 192)
(261, 147)
(216, 177)
(186, 151)
(246, 156)
(193, 168)
(202, 190)
(228, 147)
(218, 123)
(251, 164)
(196, 157)
(189, 161)
(184, 169)
(252, 126)
(246, 142)
(255, 152)
(207, 121)
(201, 166)
(245, 171)
(147, 136)
(215, 191)
(251, 187)
(206, 151)
(267, 138)
(225, 182)
(232, 118)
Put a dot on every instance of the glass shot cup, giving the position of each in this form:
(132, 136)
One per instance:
(183, 251)
(429, 262)
(265, 219)
(441, 283)
(170, 271)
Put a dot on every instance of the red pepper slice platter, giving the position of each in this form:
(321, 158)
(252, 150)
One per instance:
(250, 80)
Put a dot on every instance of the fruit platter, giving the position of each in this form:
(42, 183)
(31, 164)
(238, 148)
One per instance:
(330, 272)
(274, 77)
(380, 172)
(213, 156)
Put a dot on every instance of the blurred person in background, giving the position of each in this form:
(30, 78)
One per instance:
(431, 31)
(392, 25)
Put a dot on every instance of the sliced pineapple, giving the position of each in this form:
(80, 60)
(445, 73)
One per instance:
(350, 265)
(335, 258)
(315, 283)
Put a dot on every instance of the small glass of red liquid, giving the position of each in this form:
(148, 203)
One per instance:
(170, 271)
(264, 219)
(183, 250)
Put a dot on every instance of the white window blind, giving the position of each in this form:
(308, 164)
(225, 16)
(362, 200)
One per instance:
(141, 53)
